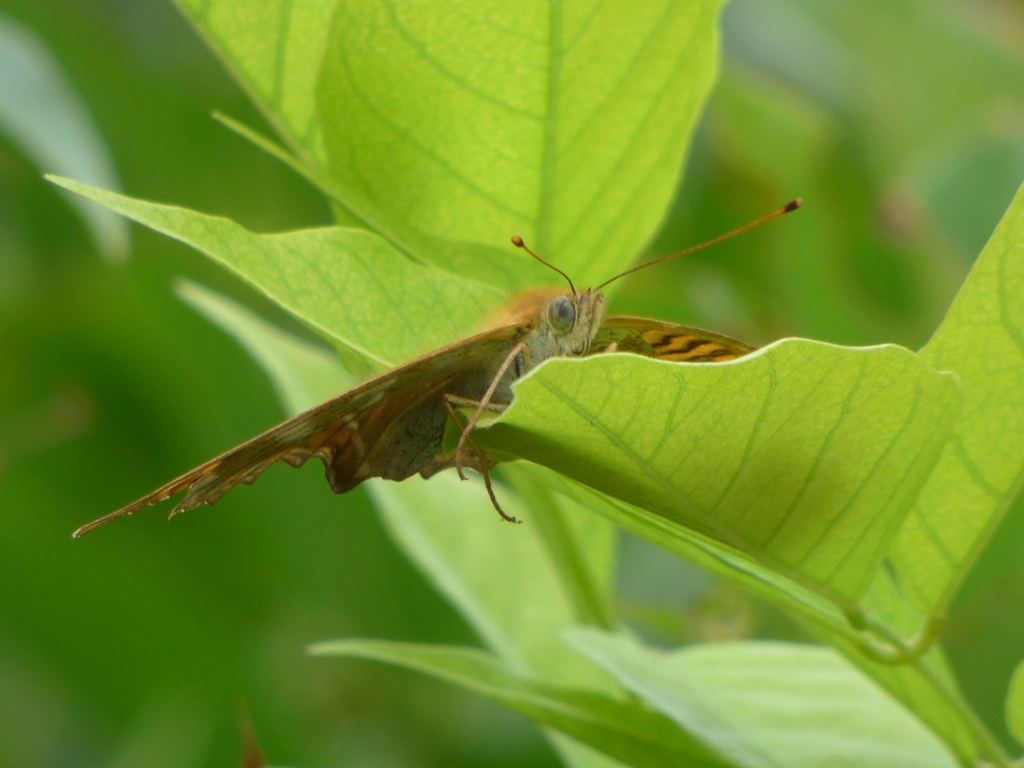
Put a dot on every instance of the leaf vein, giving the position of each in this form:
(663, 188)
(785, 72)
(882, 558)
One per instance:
(860, 488)
(426, 56)
(406, 136)
(816, 464)
(748, 450)
(624, 157)
(621, 445)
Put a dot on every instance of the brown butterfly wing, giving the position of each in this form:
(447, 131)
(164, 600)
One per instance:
(391, 426)
(666, 341)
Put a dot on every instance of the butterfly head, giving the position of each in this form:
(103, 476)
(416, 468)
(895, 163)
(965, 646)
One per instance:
(573, 319)
(569, 321)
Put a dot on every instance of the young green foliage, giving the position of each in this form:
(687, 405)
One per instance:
(792, 472)
(565, 123)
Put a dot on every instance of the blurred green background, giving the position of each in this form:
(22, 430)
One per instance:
(901, 123)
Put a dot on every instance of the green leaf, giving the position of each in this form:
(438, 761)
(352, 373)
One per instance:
(1015, 704)
(348, 284)
(565, 123)
(770, 704)
(630, 733)
(981, 469)
(804, 455)
(42, 113)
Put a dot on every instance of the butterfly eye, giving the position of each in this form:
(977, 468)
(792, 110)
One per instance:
(562, 314)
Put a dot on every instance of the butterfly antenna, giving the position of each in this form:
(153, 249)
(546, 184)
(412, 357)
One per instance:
(517, 241)
(787, 208)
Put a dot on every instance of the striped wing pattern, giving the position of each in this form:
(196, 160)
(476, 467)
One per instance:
(667, 341)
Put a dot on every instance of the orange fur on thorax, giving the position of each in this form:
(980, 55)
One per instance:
(525, 308)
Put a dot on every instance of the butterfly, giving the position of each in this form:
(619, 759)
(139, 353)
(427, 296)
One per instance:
(393, 426)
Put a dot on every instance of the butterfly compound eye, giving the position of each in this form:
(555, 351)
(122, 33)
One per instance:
(562, 314)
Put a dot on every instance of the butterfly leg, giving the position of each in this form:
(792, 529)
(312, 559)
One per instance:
(485, 461)
(466, 402)
(484, 402)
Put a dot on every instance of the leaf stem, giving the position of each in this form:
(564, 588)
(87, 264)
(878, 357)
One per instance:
(898, 650)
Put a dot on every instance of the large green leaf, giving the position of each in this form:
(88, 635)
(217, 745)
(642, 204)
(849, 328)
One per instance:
(771, 704)
(565, 123)
(805, 455)
(622, 729)
(348, 284)
(981, 469)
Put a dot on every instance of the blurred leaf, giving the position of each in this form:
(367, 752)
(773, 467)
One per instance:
(43, 115)
(302, 374)
(348, 284)
(624, 730)
(990, 165)
(500, 577)
(172, 730)
(985, 632)
(912, 684)
(572, 134)
(951, 69)
(252, 753)
(580, 546)
(770, 704)
(980, 471)
(1015, 704)
(822, 457)
(827, 268)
